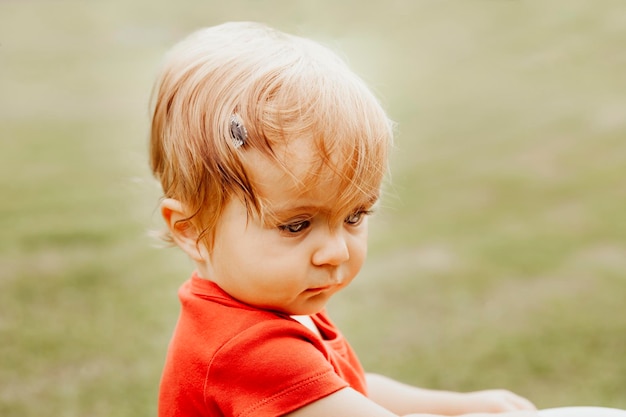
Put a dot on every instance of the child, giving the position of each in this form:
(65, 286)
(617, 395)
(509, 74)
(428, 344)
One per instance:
(271, 154)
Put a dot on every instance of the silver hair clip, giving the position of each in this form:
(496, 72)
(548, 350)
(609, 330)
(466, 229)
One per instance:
(238, 132)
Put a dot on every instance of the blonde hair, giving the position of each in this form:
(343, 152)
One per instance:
(282, 88)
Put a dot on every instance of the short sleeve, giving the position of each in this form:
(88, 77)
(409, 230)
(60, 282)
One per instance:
(270, 369)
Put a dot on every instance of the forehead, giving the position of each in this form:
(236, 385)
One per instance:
(281, 183)
(299, 179)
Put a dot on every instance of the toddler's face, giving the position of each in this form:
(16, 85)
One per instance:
(296, 262)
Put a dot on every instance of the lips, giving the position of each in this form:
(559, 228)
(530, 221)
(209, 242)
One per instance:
(318, 289)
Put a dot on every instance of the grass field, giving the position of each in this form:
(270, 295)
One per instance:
(497, 259)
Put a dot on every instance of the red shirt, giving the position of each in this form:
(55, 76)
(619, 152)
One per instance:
(227, 358)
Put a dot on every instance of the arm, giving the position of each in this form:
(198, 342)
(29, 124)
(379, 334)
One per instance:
(349, 403)
(402, 399)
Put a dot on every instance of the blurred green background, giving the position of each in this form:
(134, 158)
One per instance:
(497, 259)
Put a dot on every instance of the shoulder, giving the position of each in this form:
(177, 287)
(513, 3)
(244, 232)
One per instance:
(245, 361)
(230, 357)
(274, 367)
(214, 326)
(267, 343)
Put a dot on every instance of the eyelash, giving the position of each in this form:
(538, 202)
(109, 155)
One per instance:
(295, 227)
(359, 214)
(301, 225)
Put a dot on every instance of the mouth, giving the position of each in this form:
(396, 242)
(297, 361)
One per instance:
(318, 289)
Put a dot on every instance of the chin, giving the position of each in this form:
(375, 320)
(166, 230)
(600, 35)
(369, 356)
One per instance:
(305, 305)
(313, 304)
(303, 309)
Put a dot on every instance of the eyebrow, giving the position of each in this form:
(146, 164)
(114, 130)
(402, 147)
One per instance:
(285, 211)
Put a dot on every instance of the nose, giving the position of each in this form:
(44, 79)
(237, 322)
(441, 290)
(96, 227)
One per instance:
(332, 250)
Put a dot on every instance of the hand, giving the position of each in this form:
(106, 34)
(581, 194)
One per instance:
(495, 401)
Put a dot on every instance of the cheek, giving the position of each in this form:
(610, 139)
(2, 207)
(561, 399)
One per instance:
(361, 257)
(359, 250)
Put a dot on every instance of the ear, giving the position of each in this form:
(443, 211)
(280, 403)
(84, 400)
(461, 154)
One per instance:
(182, 230)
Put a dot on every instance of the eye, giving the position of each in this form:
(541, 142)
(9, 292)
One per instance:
(295, 227)
(356, 218)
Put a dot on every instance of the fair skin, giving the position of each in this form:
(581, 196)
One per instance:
(294, 263)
